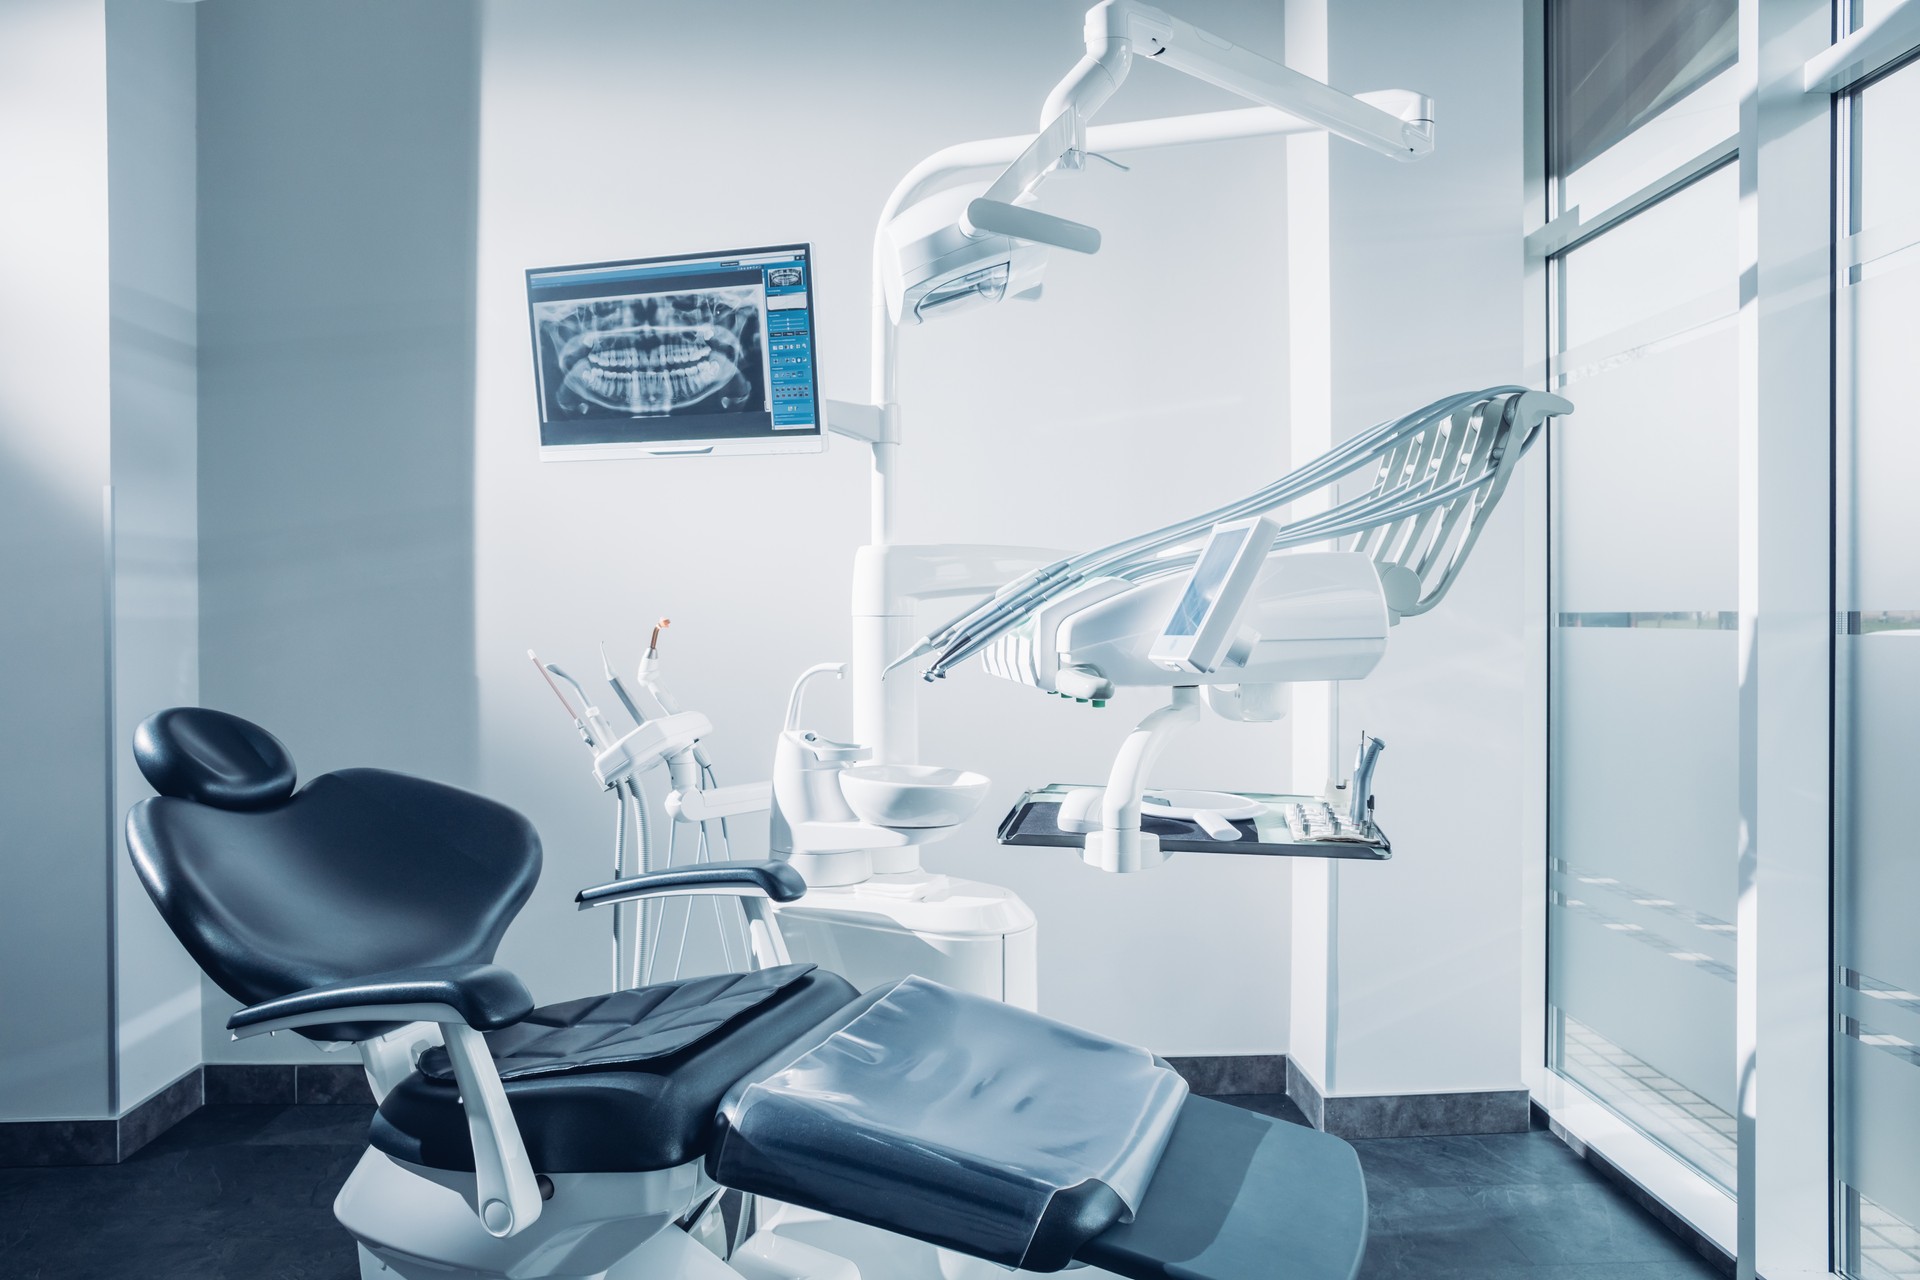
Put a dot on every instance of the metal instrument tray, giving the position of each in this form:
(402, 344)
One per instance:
(1034, 821)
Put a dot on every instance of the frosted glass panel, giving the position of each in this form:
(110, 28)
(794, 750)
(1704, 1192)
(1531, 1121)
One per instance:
(1643, 879)
(1877, 872)
(1645, 788)
(1645, 476)
(1646, 482)
(1676, 253)
(1644, 800)
(1880, 317)
(1879, 888)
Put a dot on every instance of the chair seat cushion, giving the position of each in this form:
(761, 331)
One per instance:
(619, 1083)
(625, 1026)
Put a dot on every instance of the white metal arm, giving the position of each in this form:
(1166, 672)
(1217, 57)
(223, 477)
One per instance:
(1119, 30)
(1119, 844)
(1166, 39)
(507, 1196)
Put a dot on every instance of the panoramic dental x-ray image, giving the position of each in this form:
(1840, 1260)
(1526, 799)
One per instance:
(1200, 640)
(651, 355)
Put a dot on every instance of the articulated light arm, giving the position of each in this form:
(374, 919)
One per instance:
(1160, 37)
(1397, 124)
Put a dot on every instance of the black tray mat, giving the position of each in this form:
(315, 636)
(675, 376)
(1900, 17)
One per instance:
(1036, 823)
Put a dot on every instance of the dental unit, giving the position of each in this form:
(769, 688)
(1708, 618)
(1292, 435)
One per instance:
(1235, 619)
(1312, 596)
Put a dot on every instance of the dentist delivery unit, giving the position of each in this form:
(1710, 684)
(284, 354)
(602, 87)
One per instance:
(877, 1065)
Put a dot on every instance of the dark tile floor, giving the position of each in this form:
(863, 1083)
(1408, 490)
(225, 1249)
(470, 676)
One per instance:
(246, 1193)
(1498, 1206)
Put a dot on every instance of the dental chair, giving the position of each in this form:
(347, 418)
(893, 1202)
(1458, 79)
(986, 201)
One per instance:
(581, 1139)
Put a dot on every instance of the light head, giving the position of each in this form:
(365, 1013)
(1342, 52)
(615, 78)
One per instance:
(932, 266)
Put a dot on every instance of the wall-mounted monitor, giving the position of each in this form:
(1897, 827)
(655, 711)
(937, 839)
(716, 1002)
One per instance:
(700, 354)
(1202, 629)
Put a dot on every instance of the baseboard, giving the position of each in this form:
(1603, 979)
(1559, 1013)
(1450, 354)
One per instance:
(48, 1143)
(1716, 1257)
(287, 1084)
(1224, 1075)
(1408, 1115)
(45, 1143)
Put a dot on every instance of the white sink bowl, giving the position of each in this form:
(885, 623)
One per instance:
(912, 795)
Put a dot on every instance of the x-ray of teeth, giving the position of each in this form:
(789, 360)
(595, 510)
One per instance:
(650, 355)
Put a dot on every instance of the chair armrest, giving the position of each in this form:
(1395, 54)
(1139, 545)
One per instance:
(482, 996)
(741, 879)
(464, 999)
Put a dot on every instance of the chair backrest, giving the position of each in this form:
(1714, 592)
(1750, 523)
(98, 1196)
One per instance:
(273, 890)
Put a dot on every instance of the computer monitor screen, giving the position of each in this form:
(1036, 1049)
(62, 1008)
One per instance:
(1203, 589)
(703, 354)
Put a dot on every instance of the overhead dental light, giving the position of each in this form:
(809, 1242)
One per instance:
(933, 267)
(967, 246)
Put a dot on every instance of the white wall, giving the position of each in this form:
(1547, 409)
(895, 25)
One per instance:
(102, 1006)
(1149, 383)
(1421, 967)
(55, 1009)
(150, 152)
(336, 194)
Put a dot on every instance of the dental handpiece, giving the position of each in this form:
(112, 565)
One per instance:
(1361, 790)
(650, 681)
(588, 712)
(619, 689)
(586, 734)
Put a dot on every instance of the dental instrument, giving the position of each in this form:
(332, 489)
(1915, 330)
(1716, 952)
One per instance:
(670, 740)
(619, 690)
(586, 734)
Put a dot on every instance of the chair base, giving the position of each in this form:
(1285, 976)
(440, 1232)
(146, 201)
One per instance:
(414, 1223)
(419, 1224)
(670, 1255)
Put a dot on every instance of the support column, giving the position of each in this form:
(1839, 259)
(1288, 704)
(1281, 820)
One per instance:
(1407, 282)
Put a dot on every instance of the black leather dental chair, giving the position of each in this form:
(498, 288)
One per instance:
(574, 1139)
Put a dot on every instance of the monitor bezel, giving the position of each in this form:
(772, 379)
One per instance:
(787, 442)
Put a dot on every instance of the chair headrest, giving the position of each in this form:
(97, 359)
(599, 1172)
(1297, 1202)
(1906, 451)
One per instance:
(212, 758)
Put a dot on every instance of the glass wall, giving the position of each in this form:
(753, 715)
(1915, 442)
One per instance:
(1643, 799)
(1877, 873)
(1688, 515)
